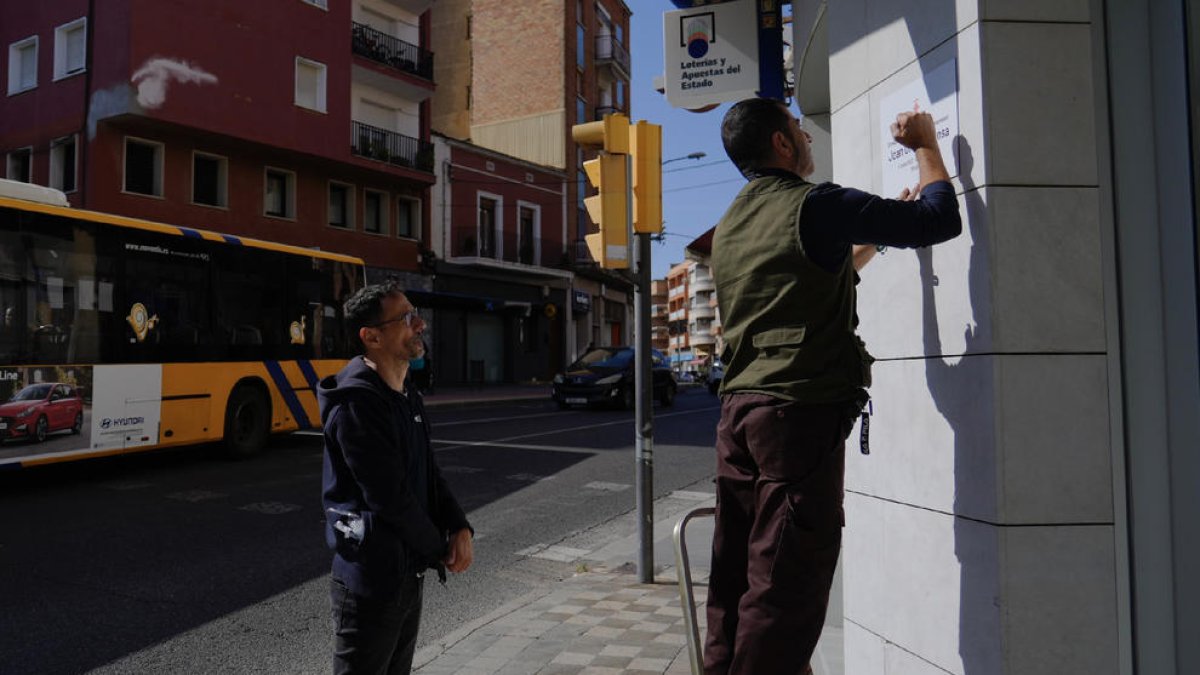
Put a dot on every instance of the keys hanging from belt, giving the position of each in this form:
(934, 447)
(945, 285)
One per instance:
(864, 429)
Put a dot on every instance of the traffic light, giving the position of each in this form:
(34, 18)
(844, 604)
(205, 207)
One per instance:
(646, 146)
(610, 208)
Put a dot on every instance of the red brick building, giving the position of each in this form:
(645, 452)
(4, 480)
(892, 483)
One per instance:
(514, 77)
(300, 121)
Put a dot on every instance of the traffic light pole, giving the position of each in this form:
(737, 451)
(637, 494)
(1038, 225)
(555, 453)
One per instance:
(644, 418)
(645, 415)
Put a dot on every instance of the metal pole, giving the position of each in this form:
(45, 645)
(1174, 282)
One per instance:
(644, 419)
(645, 416)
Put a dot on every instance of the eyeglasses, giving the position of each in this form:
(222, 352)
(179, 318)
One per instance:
(408, 318)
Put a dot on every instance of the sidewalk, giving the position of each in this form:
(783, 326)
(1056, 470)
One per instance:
(601, 620)
(598, 621)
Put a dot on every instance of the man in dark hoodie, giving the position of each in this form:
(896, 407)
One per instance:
(389, 513)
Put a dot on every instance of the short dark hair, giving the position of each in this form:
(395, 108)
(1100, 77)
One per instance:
(747, 129)
(365, 307)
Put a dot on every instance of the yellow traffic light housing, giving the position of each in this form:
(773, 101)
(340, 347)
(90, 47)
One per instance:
(646, 146)
(610, 134)
(609, 210)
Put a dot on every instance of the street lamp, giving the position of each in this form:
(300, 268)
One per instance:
(699, 154)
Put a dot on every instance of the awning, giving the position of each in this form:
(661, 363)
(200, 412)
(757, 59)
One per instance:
(447, 300)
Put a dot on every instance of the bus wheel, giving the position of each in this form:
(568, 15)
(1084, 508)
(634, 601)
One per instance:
(247, 422)
(40, 429)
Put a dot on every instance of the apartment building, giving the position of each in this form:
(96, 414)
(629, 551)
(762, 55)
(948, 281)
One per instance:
(501, 302)
(514, 78)
(300, 121)
(679, 348)
(660, 333)
(701, 314)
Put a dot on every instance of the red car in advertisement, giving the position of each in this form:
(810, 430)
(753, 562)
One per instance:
(41, 409)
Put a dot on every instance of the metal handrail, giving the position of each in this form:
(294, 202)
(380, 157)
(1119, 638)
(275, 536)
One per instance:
(695, 654)
(391, 51)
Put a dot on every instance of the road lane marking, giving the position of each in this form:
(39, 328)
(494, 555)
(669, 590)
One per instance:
(454, 445)
(460, 423)
(500, 441)
(607, 487)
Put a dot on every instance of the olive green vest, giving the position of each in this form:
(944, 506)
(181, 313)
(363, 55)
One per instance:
(788, 324)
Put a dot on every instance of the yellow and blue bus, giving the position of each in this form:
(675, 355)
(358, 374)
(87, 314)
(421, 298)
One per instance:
(166, 335)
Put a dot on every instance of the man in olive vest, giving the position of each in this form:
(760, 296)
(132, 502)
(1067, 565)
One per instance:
(785, 259)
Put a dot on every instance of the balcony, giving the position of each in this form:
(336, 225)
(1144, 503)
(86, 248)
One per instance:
(472, 242)
(612, 54)
(388, 146)
(701, 311)
(391, 51)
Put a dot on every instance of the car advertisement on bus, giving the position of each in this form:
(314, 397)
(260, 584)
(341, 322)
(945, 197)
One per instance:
(49, 411)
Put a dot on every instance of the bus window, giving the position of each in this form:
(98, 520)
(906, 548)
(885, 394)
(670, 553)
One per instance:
(164, 303)
(249, 291)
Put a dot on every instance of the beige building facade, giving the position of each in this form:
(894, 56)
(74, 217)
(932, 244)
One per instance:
(1029, 504)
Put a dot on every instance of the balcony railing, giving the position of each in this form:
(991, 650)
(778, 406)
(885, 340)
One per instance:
(608, 50)
(473, 242)
(391, 51)
(391, 147)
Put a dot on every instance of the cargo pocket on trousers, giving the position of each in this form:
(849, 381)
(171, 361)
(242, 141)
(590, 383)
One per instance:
(810, 539)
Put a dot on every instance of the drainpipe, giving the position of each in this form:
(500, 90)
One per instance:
(84, 139)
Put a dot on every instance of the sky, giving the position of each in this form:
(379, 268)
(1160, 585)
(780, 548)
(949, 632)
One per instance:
(695, 192)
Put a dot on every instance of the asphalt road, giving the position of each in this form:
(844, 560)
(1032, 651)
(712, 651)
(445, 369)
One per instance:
(173, 562)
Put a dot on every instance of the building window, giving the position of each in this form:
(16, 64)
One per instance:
(408, 218)
(310, 84)
(621, 94)
(22, 65)
(279, 194)
(581, 115)
(489, 222)
(374, 211)
(20, 165)
(580, 56)
(323, 4)
(210, 176)
(70, 43)
(341, 205)
(63, 164)
(528, 225)
(620, 33)
(581, 182)
(143, 167)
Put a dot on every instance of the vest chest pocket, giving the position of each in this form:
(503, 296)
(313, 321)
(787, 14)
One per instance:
(778, 337)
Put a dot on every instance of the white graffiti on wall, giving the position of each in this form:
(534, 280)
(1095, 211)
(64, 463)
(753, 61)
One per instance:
(156, 73)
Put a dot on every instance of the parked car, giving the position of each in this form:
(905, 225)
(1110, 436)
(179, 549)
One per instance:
(41, 409)
(715, 374)
(605, 375)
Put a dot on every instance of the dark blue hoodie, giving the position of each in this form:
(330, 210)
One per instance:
(379, 466)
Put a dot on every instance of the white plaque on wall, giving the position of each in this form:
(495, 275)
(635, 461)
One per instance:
(935, 93)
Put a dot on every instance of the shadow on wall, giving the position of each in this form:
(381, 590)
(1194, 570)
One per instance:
(962, 388)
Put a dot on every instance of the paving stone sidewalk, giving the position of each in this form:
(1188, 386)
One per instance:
(596, 622)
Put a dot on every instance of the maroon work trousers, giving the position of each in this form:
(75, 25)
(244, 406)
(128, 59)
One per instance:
(780, 471)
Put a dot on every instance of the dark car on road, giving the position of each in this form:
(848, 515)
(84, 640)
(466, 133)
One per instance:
(40, 409)
(605, 376)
